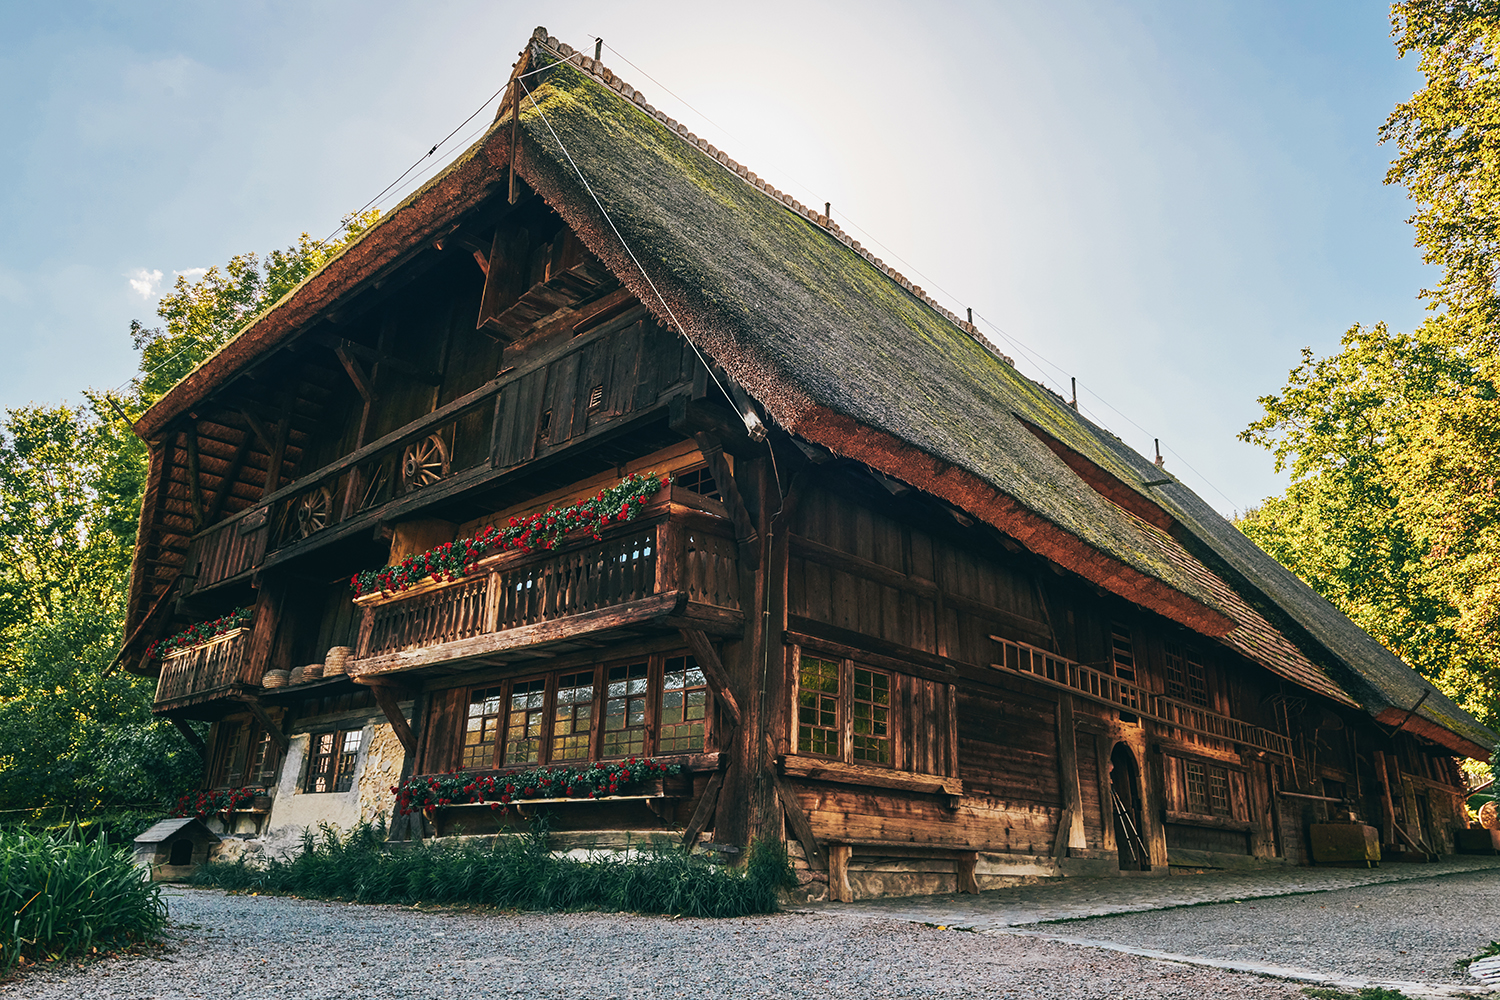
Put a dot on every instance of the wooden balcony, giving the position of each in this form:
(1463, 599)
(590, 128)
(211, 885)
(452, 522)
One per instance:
(1170, 713)
(672, 567)
(214, 671)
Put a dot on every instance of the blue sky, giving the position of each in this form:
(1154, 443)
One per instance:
(1166, 200)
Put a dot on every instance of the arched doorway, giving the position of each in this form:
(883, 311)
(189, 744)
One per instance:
(1125, 785)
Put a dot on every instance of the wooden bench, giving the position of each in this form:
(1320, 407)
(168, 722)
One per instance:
(841, 851)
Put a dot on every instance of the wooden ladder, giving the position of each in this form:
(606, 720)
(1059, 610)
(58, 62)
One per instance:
(1131, 837)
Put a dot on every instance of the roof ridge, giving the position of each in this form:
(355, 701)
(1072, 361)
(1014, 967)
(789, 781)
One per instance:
(610, 79)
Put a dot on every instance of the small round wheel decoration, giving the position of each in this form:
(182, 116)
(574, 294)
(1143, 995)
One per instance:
(313, 511)
(425, 462)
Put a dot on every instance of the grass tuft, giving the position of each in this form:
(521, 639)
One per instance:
(64, 895)
(1488, 951)
(518, 873)
(1368, 993)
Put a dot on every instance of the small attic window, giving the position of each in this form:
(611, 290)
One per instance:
(596, 397)
(545, 426)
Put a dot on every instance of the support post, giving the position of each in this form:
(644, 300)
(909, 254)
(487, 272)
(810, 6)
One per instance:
(816, 860)
(1067, 766)
(838, 873)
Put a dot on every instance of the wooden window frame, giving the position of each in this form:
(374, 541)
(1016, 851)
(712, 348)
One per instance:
(1234, 809)
(340, 772)
(845, 709)
(256, 739)
(546, 756)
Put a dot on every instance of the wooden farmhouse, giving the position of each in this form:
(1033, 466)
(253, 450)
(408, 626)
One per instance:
(878, 594)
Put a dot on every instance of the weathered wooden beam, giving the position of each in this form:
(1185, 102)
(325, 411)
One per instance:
(1064, 829)
(964, 869)
(704, 812)
(817, 859)
(385, 697)
(1067, 769)
(839, 889)
(267, 723)
(194, 740)
(258, 428)
(278, 450)
(195, 489)
(713, 454)
(504, 281)
(226, 484)
(713, 670)
(357, 373)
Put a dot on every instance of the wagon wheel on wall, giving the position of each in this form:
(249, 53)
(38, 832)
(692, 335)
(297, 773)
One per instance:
(312, 512)
(424, 463)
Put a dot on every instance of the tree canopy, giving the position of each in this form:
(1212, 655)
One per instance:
(1393, 441)
(72, 732)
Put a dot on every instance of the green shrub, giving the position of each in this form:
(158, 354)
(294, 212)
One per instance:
(63, 895)
(518, 873)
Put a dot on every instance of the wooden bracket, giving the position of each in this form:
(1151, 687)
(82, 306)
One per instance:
(705, 810)
(258, 428)
(385, 697)
(267, 723)
(816, 859)
(195, 488)
(278, 450)
(226, 485)
(713, 670)
(713, 454)
(357, 373)
(194, 740)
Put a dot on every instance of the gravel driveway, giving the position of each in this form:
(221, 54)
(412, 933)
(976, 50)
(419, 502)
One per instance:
(248, 948)
(1412, 930)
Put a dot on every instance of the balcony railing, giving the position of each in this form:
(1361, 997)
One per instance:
(1096, 685)
(670, 557)
(200, 673)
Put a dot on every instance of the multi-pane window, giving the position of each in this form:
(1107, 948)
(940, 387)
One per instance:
(845, 711)
(657, 704)
(870, 716)
(626, 691)
(573, 716)
(684, 706)
(247, 756)
(523, 728)
(332, 759)
(818, 704)
(482, 730)
(1207, 788)
(1186, 676)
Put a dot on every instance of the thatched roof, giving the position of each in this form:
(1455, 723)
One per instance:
(841, 350)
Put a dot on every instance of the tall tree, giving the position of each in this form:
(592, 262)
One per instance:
(71, 479)
(1393, 442)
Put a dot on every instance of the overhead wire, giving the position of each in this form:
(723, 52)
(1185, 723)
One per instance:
(1038, 360)
(605, 212)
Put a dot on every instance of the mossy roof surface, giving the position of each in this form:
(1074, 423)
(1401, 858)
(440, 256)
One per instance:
(818, 316)
(813, 313)
(1374, 675)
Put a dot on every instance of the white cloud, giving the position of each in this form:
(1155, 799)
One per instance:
(192, 273)
(144, 281)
